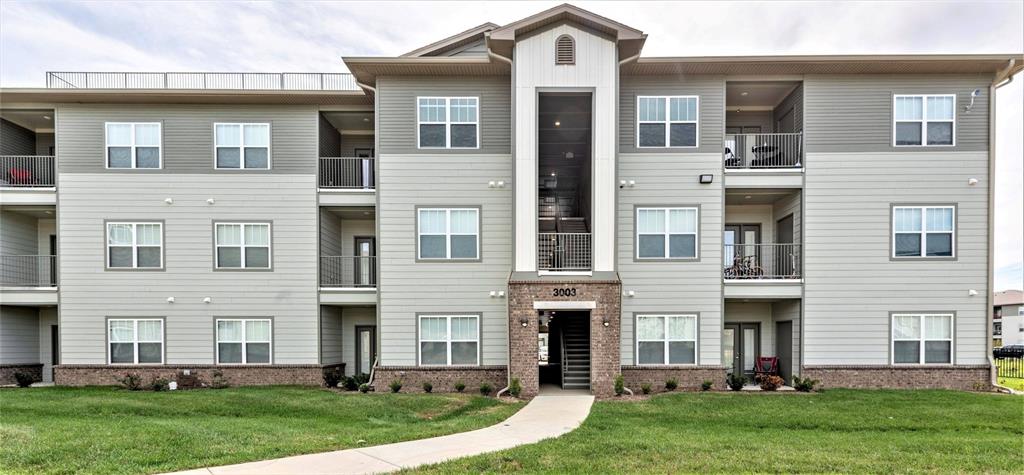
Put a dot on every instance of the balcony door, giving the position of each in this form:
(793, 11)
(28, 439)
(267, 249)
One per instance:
(365, 268)
(741, 240)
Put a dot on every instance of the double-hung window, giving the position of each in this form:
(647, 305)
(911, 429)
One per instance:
(448, 122)
(667, 121)
(243, 245)
(243, 341)
(447, 340)
(135, 245)
(924, 120)
(133, 144)
(666, 339)
(923, 231)
(666, 233)
(136, 341)
(448, 233)
(922, 339)
(242, 146)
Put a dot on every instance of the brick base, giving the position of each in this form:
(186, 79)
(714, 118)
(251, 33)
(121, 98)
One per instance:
(689, 378)
(7, 372)
(963, 377)
(249, 375)
(443, 379)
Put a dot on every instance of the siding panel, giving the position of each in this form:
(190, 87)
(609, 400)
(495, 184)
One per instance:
(19, 335)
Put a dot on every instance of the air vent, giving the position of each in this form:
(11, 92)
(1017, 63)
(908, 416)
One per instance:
(565, 50)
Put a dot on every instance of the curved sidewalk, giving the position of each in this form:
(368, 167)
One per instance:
(546, 416)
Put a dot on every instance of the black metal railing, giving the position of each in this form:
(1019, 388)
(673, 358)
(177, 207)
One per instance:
(28, 271)
(761, 261)
(348, 271)
(754, 151)
(27, 171)
(349, 173)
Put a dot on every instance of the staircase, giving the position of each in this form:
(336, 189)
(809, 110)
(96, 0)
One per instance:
(573, 225)
(576, 352)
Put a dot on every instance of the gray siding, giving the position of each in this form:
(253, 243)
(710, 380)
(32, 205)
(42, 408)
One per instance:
(854, 113)
(330, 334)
(350, 317)
(330, 234)
(349, 144)
(19, 234)
(15, 139)
(43, 143)
(19, 335)
(330, 139)
(762, 119)
(795, 102)
(396, 109)
(187, 136)
(350, 228)
(711, 113)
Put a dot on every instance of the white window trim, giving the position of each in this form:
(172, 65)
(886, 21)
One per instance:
(924, 119)
(136, 341)
(668, 122)
(243, 246)
(665, 341)
(134, 244)
(244, 341)
(922, 339)
(447, 235)
(159, 146)
(447, 123)
(448, 339)
(924, 232)
(667, 234)
(241, 146)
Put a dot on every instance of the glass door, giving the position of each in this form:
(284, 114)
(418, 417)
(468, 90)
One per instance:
(740, 347)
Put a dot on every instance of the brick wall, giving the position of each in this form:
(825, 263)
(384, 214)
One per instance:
(250, 375)
(963, 377)
(689, 378)
(7, 372)
(442, 378)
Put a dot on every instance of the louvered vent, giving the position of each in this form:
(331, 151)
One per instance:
(565, 50)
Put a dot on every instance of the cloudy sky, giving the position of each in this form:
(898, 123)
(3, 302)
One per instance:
(36, 37)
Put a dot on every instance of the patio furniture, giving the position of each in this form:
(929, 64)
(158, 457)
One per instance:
(766, 366)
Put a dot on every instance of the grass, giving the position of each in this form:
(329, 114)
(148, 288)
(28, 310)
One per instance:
(1016, 384)
(109, 430)
(835, 431)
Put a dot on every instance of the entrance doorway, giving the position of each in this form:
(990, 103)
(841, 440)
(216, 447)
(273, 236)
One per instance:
(741, 345)
(563, 345)
(366, 348)
(784, 348)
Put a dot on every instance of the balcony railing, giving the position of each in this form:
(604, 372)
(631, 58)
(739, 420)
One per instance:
(348, 271)
(349, 173)
(27, 171)
(756, 151)
(28, 271)
(563, 252)
(232, 81)
(762, 261)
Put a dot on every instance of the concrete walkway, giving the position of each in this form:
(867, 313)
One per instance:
(549, 415)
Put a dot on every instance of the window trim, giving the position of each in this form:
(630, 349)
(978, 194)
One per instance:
(241, 146)
(448, 338)
(135, 339)
(244, 341)
(667, 234)
(665, 341)
(448, 234)
(924, 232)
(243, 246)
(924, 120)
(668, 122)
(447, 123)
(133, 146)
(922, 339)
(134, 245)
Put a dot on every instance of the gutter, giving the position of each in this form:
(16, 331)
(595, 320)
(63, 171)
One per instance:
(367, 87)
(1001, 79)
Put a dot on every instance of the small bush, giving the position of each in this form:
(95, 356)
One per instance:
(620, 386)
(395, 386)
(160, 384)
(131, 381)
(804, 385)
(332, 377)
(671, 384)
(348, 383)
(706, 386)
(460, 386)
(770, 382)
(218, 381)
(427, 387)
(485, 389)
(645, 388)
(361, 378)
(364, 388)
(736, 381)
(515, 388)
(24, 380)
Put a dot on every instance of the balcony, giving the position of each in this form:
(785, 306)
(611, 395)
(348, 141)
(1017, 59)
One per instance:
(763, 151)
(762, 261)
(563, 252)
(353, 272)
(347, 173)
(199, 81)
(27, 171)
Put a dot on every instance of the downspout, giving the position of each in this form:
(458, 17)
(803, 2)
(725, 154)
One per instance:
(990, 298)
(621, 62)
(367, 86)
(508, 364)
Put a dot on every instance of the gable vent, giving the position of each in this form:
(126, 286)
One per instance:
(565, 50)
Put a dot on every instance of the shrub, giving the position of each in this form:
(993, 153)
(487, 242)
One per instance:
(771, 382)
(24, 380)
(361, 378)
(364, 388)
(218, 381)
(706, 386)
(736, 381)
(333, 376)
(804, 385)
(460, 386)
(348, 383)
(485, 389)
(671, 384)
(620, 386)
(131, 381)
(395, 386)
(160, 384)
(515, 388)
(427, 387)
(645, 388)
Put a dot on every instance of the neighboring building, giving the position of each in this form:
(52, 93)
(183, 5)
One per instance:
(443, 214)
(1008, 318)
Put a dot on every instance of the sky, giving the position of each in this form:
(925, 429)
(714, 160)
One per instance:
(36, 37)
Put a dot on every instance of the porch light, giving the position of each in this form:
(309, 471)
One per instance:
(558, 123)
(744, 93)
(706, 179)
(524, 322)
(605, 322)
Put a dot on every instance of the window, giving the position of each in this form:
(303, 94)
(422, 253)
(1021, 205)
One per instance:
(565, 50)
(666, 339)
(243, 245)
(133, 145)
(920, 117)
(924, 339)
(923, 231)
(666, 233)
(447, 340)
(667, 121)
(135, 245)
(448, 122)
(449, 233)
(241, 341)
(242, 146)
(136, 341)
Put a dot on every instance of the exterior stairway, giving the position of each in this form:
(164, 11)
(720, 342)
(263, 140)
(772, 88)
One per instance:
(576, 357)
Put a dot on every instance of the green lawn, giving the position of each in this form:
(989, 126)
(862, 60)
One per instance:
(834, 431)
(108, 430)
(1016, 384)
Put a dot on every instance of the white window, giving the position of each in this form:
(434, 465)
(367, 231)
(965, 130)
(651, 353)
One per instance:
(447, 340)
(133, 144)
(448, 233)
(667, 121)
(926, 339)
(666, 233)
(243, 245)
(447, 122)
(242, 146)
(135, 245)
(244, 341)
(666, 339)
(136, 341)
(923, 231)
(924, 120)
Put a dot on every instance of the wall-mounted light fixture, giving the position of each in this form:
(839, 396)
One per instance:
(494, 293)
(169, 200)
(170, 299)
(524, 322)
(630, 293)
(972, 181)
(210, 201)
(972, 292)
(605, 322)
(707, 179)
(207, 300)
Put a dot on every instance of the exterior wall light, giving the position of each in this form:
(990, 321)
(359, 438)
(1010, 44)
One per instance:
(169, 201)
(170, 299)
(605, 322)
(524, 322)
(972, 181)
(706, 179)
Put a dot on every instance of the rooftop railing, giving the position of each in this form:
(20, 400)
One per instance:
(226, 81)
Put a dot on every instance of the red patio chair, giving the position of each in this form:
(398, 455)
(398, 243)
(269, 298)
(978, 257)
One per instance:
(20, 176)
(766, 366)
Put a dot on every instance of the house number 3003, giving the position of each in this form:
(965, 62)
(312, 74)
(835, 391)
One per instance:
(571, 292)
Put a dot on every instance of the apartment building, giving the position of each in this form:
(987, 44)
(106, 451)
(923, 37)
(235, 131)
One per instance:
(536, 201)
(1008, 318)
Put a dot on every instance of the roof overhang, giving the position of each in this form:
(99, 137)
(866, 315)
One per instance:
(179, 96)
(629, 40)
(452, 42)
(835, 64)
(367, 69)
